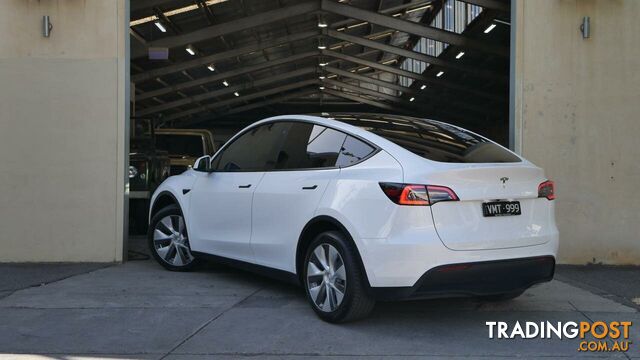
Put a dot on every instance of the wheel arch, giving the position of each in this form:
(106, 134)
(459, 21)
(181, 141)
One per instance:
(162, 200)
(316, 226)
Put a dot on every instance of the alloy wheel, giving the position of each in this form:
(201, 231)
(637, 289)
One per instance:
(326, 277)
(170, 241)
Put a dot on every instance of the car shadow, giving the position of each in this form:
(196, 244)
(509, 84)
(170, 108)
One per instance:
(276, 293)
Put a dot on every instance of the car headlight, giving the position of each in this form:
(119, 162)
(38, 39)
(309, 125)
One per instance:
(132, 171)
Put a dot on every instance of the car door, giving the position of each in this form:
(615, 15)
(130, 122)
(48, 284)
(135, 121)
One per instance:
(287, 197)
(220, 208)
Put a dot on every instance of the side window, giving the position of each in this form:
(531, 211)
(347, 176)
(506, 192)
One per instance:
(353, 151)
(255, 150)
(309, 146)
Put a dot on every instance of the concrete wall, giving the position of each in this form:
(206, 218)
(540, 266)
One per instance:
(577, 114)
(62, 130)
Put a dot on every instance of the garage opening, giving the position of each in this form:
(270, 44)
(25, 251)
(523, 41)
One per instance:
(201, 70)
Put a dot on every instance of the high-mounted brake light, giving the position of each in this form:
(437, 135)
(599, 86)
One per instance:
(547, 190)
(421, 195)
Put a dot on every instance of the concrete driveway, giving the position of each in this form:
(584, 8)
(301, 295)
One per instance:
(140, 311)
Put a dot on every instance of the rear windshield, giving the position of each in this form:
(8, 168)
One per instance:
(431, 139)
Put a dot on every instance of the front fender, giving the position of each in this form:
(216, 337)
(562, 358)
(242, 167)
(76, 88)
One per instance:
(179, 187)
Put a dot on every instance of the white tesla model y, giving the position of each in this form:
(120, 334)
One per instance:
(363, 207)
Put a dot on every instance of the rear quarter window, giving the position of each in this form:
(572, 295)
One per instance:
(353, 151)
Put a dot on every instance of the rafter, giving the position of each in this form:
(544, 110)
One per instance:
(227, 91)
(409, 74)
(411, 106)
(367, 79)
(491, 4)
(413, 55)
(436, 97)
(152, 74)
(270, 101)
(233, 26)
(362, 90)
(412, 27)
(137, 5)
(166, 21)
(361, 100)
(226, 75)
(386, 11)
(239, 99)
(356, 84)
(251, 106)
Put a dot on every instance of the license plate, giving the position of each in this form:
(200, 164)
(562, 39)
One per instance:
(501, 208)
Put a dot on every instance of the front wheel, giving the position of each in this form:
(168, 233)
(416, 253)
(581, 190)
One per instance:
(334, 281)
(168, 240)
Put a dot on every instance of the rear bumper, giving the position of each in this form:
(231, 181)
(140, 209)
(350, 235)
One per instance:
(474, 279)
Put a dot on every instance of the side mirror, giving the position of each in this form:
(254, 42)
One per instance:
(203, 164)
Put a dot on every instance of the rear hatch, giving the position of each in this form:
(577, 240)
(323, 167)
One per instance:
(478, 170)
(462, 225)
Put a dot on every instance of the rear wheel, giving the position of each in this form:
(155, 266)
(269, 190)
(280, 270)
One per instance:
(334, 281)
(168, 240)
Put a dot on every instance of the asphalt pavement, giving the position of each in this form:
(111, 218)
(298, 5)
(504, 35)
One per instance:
(137, 310)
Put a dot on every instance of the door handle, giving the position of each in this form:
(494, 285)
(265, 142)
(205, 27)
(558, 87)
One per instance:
(310, 187)
(244, 186)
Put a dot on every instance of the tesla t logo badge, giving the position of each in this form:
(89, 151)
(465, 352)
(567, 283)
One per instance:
(504, 180)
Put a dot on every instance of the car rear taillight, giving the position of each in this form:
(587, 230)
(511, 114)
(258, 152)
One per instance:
(421, 195)
(547, 190)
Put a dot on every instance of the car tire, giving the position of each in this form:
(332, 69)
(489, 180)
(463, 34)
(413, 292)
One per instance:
(168, 240)
(502, 297)
(336, 286)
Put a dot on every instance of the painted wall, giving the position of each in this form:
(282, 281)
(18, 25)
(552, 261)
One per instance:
(62, 117)
(577, 106)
